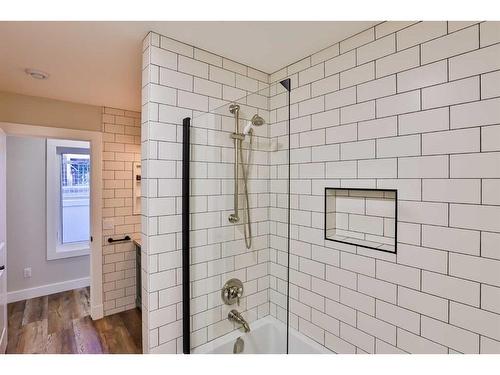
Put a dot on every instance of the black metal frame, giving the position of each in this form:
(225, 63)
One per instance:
(186, 315)
(112, 240)
(138, 278)
(395, 219)
(287, 84)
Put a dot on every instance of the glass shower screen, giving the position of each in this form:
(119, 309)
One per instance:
(238, 224)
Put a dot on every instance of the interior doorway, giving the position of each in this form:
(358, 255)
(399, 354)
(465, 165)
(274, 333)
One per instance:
(75, 177)
(60, 172)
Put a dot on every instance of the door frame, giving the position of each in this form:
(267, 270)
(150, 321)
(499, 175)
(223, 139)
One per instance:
(95, 139)
(3, 243)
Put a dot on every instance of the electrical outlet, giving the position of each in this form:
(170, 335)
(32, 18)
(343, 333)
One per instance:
(27, 272)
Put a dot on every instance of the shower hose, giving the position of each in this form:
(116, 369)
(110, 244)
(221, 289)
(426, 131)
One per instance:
(247, 228)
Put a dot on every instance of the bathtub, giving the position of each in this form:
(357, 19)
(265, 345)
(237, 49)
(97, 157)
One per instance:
(267, 336)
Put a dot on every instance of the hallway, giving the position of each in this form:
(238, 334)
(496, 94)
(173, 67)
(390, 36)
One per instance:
(61, 324)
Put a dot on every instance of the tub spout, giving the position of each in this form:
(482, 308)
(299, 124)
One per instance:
(235, 316)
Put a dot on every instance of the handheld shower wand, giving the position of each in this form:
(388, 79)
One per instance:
(255, 121)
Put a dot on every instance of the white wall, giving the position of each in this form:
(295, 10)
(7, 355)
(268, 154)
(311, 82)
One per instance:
(121, 147)
(179, 81)
(415, 107)
(26, 220)
(405, 105)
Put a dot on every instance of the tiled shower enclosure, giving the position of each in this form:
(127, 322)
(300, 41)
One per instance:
(407, 106)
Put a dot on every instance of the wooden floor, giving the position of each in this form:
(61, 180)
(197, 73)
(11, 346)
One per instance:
(61, 324)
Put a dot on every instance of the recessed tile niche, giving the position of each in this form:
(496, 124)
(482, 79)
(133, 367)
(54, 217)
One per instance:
(362, 217)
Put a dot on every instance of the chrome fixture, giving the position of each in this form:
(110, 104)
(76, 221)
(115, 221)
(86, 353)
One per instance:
(232, 291)
(255, 121)
(245, 167)
(235, 110)
(235, 316)
(239, 346)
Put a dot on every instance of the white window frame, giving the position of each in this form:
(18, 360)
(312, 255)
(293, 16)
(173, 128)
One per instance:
(55, 248)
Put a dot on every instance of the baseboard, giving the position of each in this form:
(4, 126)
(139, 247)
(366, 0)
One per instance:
(44, 290)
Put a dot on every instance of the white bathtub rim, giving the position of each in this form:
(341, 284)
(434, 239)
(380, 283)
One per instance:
(209, 347)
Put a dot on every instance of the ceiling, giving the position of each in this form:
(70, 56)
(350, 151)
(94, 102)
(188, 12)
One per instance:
(99, 63)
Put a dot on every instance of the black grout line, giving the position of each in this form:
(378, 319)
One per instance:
(397, 50)
(397, 159)
(420, 316)
(409, 69)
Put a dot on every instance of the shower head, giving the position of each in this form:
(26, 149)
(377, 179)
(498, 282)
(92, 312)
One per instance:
(257, 120)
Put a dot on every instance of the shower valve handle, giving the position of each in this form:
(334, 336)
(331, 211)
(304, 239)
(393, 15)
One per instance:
(237, 299)
(232, 292)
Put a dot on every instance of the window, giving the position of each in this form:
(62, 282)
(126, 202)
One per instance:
(75, 189)
(68, 198)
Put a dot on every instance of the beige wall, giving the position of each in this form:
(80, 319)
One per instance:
(34, 110)
(26, 220)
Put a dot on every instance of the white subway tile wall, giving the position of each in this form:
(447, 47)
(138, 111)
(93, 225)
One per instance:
(121, 147)
(414, 107)
(189, 82)
(403, 105)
